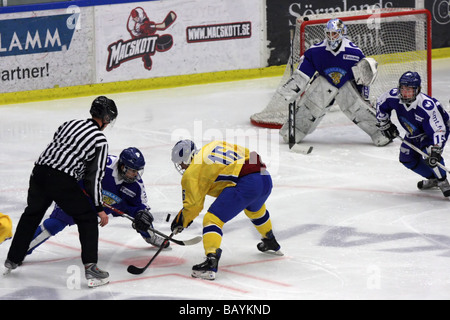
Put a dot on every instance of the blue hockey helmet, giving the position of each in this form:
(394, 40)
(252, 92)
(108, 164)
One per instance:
(335, 31)
(182, 154)
(131, 164)
(409, 79)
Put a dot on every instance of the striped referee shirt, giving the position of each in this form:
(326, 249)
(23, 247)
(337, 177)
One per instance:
(79, 149)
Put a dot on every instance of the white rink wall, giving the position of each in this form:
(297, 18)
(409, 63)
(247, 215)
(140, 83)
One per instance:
(93, 45)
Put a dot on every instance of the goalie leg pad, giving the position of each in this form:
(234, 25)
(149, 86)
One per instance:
(312, 107)
(360, 112)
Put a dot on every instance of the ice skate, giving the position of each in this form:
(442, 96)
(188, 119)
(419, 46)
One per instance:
(445, 187)
(9, 266)
(95, 276)
(207, 270)
(270, 245)
(427, 184)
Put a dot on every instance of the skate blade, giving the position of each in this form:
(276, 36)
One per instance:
(93, 283)
(7, 271)
(274, 253)
(205, 275)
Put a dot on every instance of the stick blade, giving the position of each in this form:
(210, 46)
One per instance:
(298, 148)
(135, 270)
(192, 241)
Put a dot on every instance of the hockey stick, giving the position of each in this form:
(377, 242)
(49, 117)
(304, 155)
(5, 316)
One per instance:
(188, 242)
(423, 154)
(136, 270)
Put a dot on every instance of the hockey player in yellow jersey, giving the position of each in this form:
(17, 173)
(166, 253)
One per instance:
(5, 227)
(239, 181)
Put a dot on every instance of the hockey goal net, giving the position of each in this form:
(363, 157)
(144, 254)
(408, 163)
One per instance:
(398, 38)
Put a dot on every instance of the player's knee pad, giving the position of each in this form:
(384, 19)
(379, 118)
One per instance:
(410, 164)
(53, 226)
(360, 112)
(212, 219)
(311, 108)
(421, 168)
(255, 215)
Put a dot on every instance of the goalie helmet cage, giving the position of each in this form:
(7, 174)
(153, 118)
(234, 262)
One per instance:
(399, 39)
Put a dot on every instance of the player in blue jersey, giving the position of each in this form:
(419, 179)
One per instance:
(427, 127)
(332, 71)
(122, 188)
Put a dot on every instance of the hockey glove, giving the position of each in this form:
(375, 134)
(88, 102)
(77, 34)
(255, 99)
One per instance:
(143, 220)
(388, 129)
(177, 223)
(434, 156)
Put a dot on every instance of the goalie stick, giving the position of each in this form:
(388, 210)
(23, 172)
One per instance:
(293, 108)
(188, 242)
(292, 105)
(136, 270)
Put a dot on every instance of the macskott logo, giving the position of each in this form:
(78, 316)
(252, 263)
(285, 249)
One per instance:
(122, 51)
(37, 34)
(144, 40)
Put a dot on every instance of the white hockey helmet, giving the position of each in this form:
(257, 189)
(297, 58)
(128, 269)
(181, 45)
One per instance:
(182, 153)
(335, 31)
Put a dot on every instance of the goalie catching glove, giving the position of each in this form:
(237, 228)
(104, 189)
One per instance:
(388, 129)
(365, 71)
(143, 220)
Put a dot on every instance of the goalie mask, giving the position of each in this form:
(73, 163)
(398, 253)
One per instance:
(182, 154)
(409, 86)
(131, 164)
(335, 31)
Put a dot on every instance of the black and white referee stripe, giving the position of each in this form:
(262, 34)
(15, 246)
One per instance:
(79, 149)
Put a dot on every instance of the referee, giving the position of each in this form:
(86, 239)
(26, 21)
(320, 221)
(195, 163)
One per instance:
(77, 152)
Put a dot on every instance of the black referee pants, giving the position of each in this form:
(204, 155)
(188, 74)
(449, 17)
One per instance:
(48, 185)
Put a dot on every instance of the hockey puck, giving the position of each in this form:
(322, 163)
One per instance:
(164, 42)
(168, 217)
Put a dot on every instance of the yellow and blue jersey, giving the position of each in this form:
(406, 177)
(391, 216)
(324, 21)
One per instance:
(215, 167)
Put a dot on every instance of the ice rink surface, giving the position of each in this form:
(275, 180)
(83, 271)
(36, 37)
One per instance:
(349, 217)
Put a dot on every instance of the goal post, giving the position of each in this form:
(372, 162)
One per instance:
(399, 39)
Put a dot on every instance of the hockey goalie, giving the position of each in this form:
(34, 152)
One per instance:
(334, 71)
